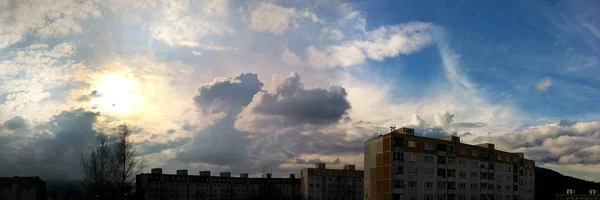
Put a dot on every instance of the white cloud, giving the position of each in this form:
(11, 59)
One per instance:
(29, 74)
(45, 19)
(289, 58)
(274, 19)
(544, 84)
(197, 53)
(332, 34)
(383, 42)
(185, 22)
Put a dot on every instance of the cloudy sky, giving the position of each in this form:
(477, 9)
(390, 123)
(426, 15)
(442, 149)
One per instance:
(253, 86)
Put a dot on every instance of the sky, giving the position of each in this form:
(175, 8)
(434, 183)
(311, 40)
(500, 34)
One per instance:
(276, 86)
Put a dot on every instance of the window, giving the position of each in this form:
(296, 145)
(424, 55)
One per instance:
(399, 170)
(462, 162)
(462, 174)
(451, 185)
(442, 173)
(428, 185)
(498, 187)
(474, 197)
(462, 197)
(491, 166)
(412, 157)
(397, 156)
(473, 163)
(441, 184)
(462, 186)
(451, 173)
(428, 159)
(483, 175)
(508, 178)
(474, 152)
(398, 183)
(442, 160)
(463, 151)
(508, 168)
(483, 186)
(490, 186)
(499, 157)
(508, 158)
(428, 197)
(412, 144)
(412, 171)
(507, 187)
(491, 176)
(441, 197)
(474, 175)
(412, 184)
(473, 186)
(428, 172)
(451, 161)
(428, 146)
(451, 149)
(413, 197)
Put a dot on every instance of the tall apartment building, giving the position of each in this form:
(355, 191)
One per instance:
(22, 188)
(321, 183)
(402, 166)
(181, 186)
(571, 195)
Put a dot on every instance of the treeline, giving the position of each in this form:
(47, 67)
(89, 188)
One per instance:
(110, 169)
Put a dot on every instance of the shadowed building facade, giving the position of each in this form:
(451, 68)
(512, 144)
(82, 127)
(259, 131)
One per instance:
(22, 188)
(402, 166)
(321, 183)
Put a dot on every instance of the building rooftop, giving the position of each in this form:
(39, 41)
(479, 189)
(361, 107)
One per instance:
(25, 182)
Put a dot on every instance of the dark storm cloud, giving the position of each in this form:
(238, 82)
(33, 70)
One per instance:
(220, 143)
(228, 94)
(15, 123)
(241, 150)
(51, 150)
(311, 106)
(559, 143)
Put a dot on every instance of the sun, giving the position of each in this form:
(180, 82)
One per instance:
(117, 93)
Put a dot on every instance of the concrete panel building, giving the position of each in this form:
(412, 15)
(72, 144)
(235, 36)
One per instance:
(402, 166)
(181, 186)
(22, 188)
(572, 195)
(321, 183)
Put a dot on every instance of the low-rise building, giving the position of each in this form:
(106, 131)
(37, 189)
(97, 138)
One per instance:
(321, 183)
(572, 195)
(181, 186)
(22, 188)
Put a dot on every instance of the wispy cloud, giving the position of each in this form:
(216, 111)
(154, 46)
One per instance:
(544, 84)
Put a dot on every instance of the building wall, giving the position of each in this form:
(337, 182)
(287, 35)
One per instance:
(22, 188)
(332, 184)
(431, 169)
(190, 187)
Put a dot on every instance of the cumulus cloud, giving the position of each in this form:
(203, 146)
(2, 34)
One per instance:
(544, 84)
(228, 95)
(14, 123)
(557, 143)
(45, 19)
(50, 150)
(383, 42)
(275, 19)
(289, 58)
(293, 105)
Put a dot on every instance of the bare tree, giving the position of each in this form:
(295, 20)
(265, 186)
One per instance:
(127, 166)
(97, 169)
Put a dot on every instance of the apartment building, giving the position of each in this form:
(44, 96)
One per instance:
(572, 195)
(22, 188)
(320, 183)
(181, 186)
(403, 166)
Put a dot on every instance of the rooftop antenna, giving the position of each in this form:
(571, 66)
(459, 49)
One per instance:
(392, 128)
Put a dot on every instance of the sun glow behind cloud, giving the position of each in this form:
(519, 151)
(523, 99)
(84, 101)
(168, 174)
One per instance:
(117, 93)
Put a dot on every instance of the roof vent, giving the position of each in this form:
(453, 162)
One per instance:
(156, 171)
(182, 172)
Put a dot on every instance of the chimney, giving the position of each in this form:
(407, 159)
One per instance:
(570, 191)
(156, 171)
(225, 174)
(204, 173)
(292, 176)
(244, 175)
(182, 172)
(320, 165)
(452, 138)
(593, 191)
(349, 167)
(269, 175)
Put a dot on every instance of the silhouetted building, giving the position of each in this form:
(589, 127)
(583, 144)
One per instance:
(402, 166)
(181, 186)
(22, 188)
(571, 195)
(321, 183)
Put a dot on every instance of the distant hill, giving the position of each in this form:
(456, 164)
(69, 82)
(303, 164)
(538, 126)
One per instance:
(549, 183)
